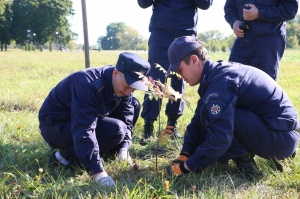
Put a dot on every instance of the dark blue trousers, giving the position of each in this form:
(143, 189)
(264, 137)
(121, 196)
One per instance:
(252, 134)
(264, 52)
(158, 54)
(109, 132)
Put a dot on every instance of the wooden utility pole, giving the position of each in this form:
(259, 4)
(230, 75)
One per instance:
(85, 34)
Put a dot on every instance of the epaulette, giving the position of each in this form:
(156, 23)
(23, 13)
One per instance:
(98, 84)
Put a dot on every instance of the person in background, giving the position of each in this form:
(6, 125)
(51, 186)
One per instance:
(170, 19)
(260, 29)
(241, 112)
(92, 112)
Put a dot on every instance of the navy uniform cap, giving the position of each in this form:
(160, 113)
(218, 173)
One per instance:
(129, 64)
(179, 48)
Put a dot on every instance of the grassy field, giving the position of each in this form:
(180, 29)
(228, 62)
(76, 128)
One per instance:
(25, 80)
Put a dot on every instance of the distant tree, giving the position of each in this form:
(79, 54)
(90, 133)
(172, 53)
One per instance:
(71, 45)
(99, 42)
(142, 45)
(44, 18)
(203, 37)
(224, 49)
(293, 30)
(52, 19)
(5, 24)
(22, 19)
(129, 38)
(212, 40)
(120, 37)
(292, 41)
(2, 6)
(230, 40)
(111, 41)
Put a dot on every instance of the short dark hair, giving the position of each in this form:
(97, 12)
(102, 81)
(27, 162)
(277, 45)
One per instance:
(200, 52)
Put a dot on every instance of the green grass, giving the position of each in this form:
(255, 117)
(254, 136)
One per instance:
(25, 80)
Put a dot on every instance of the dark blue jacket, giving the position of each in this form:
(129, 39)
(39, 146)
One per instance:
(85, 97)
(272, 15)
(178, 17)
(228, 86)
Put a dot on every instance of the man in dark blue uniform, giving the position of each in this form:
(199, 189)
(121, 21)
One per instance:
(92, 112)
(170, 19)
(260, 29)
(241, 112)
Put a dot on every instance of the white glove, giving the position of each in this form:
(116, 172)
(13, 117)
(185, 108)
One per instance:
(105, 180)
(124, 156)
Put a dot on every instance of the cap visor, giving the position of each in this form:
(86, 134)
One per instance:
(173, 68)
(139, 85)
(136, 83)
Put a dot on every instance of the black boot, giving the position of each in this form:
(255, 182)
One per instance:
(247, 167)
(293, 155)
(278, 165)
(148, 132)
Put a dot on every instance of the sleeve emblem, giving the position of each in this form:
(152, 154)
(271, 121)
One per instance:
(215, 108)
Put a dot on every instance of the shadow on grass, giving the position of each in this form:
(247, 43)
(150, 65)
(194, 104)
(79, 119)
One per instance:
(24, 172)
(11, 106)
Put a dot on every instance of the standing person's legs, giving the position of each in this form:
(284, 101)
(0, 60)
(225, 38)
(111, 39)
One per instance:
(151, 108)
(137, 108)
(266, 53)
(158, 47)
(240, 51)
(175, 109)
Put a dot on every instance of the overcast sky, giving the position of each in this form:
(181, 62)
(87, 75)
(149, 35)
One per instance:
(100, 13)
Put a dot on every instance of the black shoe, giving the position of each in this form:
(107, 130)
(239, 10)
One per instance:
(277, 165)
(247, 167)
(293, 155)
(145, 140)
(148, 132)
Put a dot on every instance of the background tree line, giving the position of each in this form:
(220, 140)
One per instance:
(42, 23)
(119, 37)
(37, 22)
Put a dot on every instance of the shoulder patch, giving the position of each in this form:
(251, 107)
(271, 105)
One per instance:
(215, 108)
(98, 85)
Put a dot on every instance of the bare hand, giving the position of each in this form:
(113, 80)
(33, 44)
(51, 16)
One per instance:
(237, 31)
(250, 14)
